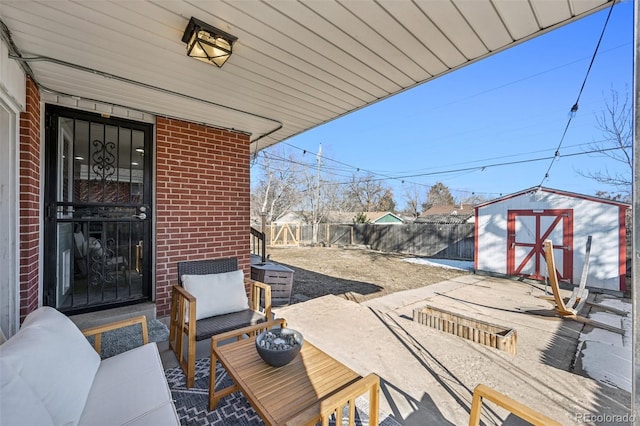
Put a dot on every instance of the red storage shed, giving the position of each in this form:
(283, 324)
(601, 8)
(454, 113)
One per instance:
(510, 232)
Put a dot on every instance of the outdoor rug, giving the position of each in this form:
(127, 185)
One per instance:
(125, 338)
(192, 404)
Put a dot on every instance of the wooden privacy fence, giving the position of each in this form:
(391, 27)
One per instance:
(445, 241)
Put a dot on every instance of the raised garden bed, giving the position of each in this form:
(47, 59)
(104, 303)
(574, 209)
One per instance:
(492, 335)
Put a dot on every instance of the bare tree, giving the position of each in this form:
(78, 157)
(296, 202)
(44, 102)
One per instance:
(311, 204)
(276, 192)
(475, 199)
(319, 195)
(334, 197)
(413, 200)
(615, 124)
(368, 194)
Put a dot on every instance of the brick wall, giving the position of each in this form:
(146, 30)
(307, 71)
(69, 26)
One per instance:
(29, 201)
(202, 199)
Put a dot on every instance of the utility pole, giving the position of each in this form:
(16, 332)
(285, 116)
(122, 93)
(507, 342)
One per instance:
(316, 210)
(635, 279)
(319, 159)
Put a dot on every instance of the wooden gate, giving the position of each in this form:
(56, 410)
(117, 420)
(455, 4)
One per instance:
(283, 235)
(526, 232)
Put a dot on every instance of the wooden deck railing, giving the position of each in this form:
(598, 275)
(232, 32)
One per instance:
(259, 244)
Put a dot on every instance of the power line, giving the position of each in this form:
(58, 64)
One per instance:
(509, 163)
(510, 155)
(468, 169)
(348, 168)
(407, 173)
(574, 108)
(358, 169)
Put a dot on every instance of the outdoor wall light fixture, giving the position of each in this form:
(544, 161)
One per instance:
(207, 43)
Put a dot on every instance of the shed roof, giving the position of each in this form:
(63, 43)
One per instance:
(553, 191)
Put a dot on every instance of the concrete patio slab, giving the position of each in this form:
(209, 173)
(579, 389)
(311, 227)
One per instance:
(428, 376)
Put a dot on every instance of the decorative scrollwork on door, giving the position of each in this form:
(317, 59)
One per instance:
(103, 160)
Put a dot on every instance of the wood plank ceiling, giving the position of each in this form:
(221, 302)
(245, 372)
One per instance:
(296, 64)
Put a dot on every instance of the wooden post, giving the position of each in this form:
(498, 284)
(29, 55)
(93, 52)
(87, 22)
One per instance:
(271, 234)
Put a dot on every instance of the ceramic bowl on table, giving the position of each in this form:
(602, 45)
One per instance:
(279, 347)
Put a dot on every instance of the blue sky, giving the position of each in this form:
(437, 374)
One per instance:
(509, 107)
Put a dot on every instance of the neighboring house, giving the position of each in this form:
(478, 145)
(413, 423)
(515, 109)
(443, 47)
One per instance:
(448, 214)
(384, 218)
(122, 156)
(447, 219)
(511, 230)
(387, 218)
(292, 217)
(449, 209)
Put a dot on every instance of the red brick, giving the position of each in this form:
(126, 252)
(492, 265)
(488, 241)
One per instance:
(29, 176)
(204, 169)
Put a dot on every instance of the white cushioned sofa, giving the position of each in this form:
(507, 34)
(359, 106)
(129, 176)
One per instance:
(51, 375)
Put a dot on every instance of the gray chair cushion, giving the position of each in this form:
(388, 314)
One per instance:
(207, 327)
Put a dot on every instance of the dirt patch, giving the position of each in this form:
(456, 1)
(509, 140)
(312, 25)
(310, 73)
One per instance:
(356, 274)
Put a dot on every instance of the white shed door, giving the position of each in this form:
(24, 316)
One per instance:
(526, 232)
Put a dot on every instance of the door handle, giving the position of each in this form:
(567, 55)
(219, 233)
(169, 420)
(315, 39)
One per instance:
(141, 216)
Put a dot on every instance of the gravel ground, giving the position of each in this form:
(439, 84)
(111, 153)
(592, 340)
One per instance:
(354, 273)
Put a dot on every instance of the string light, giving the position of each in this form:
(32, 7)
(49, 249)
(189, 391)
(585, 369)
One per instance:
(403, 178)
(574, 108)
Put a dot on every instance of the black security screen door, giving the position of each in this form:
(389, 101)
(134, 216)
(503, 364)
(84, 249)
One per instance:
(97, 211)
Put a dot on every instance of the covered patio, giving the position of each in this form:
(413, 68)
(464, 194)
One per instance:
(194, 128)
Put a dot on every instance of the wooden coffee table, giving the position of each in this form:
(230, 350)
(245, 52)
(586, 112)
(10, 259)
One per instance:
(278, 394)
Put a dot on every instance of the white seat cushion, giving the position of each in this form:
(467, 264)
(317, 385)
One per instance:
(19, 405)
(55, 360)
(217, 294)
(130, 388)
(164, 415)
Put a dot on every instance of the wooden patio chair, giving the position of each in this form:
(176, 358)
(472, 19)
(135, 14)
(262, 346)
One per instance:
(334, 405)
(187, 325)
(97, 331)
(485, 392)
